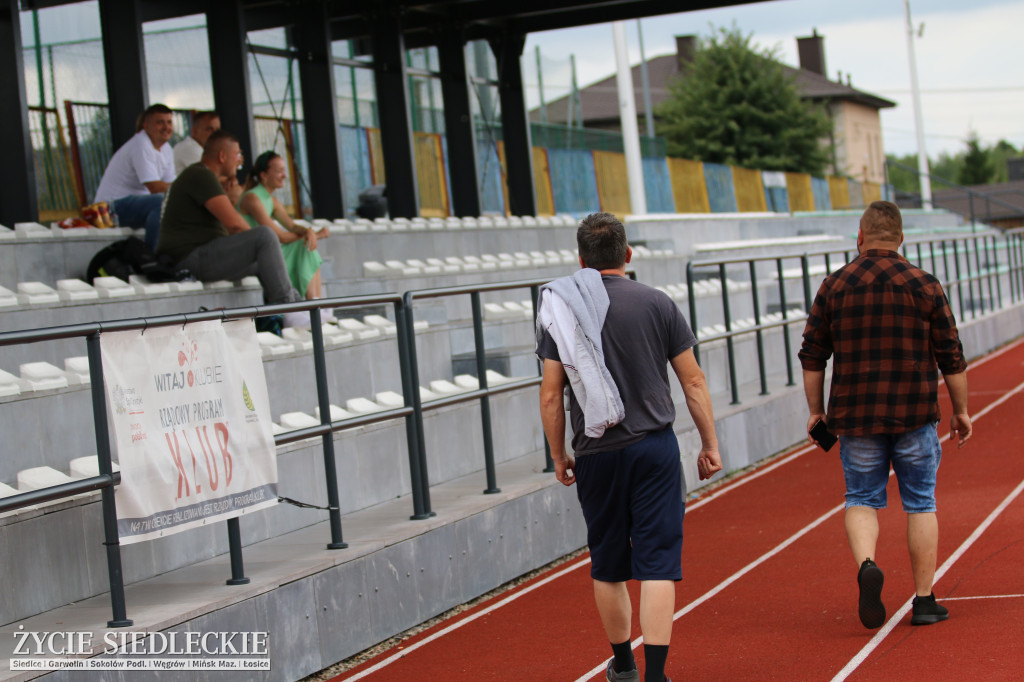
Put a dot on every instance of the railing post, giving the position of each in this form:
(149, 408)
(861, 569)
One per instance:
(993, 271)
(485, 399)
(730, 347)
(235, 549)
(324, 403)
(977, 274)
(785, 326)
(111, 540)
(414, 428)
(959, 283)
(549, 464)
(1013, 243)
(691, 299)
(805, 269)
(757, 323)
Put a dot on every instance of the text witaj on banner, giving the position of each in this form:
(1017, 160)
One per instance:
(191, 426)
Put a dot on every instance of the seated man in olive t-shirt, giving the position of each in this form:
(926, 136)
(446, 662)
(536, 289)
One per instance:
(202, 231)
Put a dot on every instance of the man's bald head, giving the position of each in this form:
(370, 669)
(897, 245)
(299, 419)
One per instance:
(217, 142)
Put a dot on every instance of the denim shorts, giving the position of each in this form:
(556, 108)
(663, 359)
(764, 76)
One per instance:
(914, 456)
(632, 501)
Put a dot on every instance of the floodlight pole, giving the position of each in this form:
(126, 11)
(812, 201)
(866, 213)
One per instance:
(922, 155)
(630, 129)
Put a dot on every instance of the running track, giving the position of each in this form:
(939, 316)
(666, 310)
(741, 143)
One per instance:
(769, 588)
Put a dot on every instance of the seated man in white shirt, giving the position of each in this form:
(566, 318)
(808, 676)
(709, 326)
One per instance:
(139, 173)
(190, 149)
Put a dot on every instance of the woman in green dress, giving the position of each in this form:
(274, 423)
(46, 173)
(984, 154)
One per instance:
(259, 206)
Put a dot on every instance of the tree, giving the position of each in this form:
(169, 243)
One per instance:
(977, 168)
(736, 105)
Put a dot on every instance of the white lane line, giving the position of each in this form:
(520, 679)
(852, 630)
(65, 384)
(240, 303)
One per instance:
(789, 458)
(821, 519)
(984, 596)
(731, 579)
(391, 659)
(469, 619)
(747, 479)
(905, 609)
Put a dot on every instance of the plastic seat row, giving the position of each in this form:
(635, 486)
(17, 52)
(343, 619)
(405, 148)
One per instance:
(74, 290)
(44, 376)
(487, 261)
(39, 231)
(450, 223)
(749, 322)
(337, 333)
(389, 400)
(82, 467)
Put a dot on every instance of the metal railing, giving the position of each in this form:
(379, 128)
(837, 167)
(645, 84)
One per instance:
(971, 194)
(412, 411)
(107, 478)
(968, 267)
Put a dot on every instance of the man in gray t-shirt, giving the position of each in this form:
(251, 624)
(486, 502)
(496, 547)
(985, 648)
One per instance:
(629, 480)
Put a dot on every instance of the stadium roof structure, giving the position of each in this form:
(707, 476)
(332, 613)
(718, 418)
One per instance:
(424, 20)
(382, 29)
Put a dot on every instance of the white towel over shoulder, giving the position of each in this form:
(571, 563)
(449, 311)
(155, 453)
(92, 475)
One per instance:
(572, 310)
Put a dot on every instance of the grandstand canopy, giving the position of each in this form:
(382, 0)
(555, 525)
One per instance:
(383, 29)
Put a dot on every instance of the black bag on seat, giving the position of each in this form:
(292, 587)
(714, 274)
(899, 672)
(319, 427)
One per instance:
(131, 256)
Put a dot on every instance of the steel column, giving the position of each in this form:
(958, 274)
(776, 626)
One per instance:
(324, 403)
(515, 125)
(18, 201)
(485, 400)
(229, 71)
(391, 85)
(124, 62)
(111, 539)
(458, 124)
(235, 550)
(323, 141)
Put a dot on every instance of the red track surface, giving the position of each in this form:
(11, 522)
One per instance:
(769, 588)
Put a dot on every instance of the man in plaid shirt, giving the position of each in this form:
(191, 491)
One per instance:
(889, 326)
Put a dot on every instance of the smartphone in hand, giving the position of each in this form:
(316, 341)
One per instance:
(825, 438)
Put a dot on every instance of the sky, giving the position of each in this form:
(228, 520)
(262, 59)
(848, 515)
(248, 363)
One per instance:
(968, 58)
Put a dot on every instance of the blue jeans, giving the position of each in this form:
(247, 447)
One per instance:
(141, 210)
(914, 456)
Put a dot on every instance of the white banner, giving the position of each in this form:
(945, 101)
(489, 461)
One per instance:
(191, 426)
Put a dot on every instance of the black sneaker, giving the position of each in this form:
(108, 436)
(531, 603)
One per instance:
(871, 610)
(613, 675)
(927, 611)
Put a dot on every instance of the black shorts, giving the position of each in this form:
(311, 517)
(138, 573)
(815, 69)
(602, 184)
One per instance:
(632, 501)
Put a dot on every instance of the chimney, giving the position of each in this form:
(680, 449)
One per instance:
(686, 46)
(812, 53)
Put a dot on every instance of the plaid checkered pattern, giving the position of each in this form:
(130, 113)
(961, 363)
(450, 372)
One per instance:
(889, 326)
